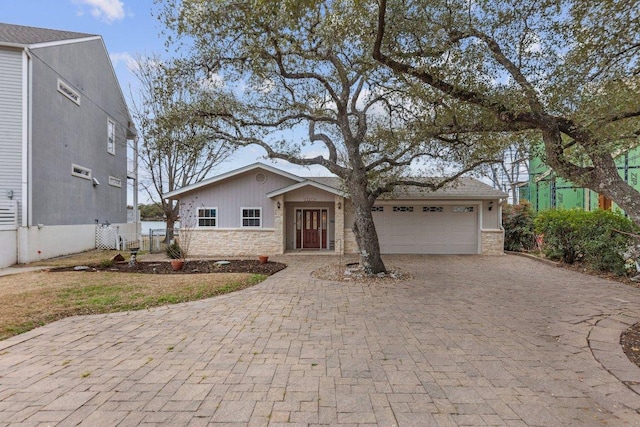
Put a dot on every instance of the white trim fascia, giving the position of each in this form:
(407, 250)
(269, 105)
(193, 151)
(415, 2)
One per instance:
(25, 198)
(62, 42)
(227, 175)
(305, 183)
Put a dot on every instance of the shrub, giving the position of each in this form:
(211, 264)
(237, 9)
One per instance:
(519, 230)
(602, 245)
(174, 251)
(572, 235)
(560, 230)
(106, 263)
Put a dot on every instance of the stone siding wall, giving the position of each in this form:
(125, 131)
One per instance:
(492, 242)
(235, 242)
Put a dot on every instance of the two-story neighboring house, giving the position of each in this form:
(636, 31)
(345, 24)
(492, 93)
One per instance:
(64, 131)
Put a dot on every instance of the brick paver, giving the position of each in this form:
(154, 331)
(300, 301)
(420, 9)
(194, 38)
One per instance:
(470, 340)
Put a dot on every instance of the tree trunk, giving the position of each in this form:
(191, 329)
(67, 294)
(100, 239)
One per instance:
(365, 232)
(603, 177)
(170, 214)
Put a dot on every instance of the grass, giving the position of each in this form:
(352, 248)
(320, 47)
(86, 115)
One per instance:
(35, 299)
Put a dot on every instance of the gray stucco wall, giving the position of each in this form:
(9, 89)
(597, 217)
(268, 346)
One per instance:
(11, 124)
(65, 133)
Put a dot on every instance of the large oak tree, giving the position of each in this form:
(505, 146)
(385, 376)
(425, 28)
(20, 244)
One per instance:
(567, 70)
(298, 80)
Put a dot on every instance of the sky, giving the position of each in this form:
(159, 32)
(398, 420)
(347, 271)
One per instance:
(129, 28)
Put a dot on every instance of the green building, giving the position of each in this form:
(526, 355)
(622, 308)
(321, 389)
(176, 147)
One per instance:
(545, 190)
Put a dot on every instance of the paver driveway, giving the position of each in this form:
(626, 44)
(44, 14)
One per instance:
(470, 341)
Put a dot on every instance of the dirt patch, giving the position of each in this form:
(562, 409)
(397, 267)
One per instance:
(354, 273)
(630, 341)
(190, 267)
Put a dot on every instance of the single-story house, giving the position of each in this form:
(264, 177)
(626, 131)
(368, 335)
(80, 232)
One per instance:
(262, 210)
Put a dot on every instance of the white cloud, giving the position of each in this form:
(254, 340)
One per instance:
(104, 10)
(125, 58)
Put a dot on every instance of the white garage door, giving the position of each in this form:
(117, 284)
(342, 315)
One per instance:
(432, 229)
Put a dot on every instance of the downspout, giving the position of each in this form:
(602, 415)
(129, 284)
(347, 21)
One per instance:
(27, 72)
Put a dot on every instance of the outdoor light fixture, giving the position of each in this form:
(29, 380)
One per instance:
(339, 205)
(279, 204)
(491, 205)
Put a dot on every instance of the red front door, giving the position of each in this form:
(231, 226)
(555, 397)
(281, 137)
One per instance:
(311, 229)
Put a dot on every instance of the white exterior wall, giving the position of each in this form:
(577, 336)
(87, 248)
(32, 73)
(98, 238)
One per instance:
(9, 248)
(50, 241)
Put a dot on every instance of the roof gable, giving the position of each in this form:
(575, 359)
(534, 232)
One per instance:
(308, 183)
(462, 188)
(21, 35)
(225, 176)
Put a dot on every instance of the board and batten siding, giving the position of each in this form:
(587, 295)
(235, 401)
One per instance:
(242, 191)
(11, 125)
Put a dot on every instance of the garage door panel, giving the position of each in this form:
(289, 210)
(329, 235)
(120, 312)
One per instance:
(430, 232)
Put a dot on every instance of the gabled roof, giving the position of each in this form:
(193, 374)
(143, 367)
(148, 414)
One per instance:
(311, 182)
(227, 175)
(24, 36)
(462, 188)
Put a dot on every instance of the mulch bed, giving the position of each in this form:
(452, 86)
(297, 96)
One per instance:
(190, 267)
(630, 341)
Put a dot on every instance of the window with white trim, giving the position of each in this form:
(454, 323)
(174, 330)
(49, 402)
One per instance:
(80, 171)
(207, 217)
(432, 209)
(403, 208)
(115, 181)
(462, 209)
(252, 217)
(68, 92)
(111, 137)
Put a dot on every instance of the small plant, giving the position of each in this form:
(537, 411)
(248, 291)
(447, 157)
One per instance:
(174, 251)
(106, 263)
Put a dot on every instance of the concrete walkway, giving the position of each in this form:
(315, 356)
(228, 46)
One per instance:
(469, 341)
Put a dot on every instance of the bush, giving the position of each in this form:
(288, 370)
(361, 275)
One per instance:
(591, 237)
(602, 245)
(174, 251)
(519, 230)
(560, 233)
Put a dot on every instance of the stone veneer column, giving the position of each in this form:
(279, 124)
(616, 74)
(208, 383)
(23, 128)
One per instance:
(339, 225)
(278, 224)
(492, 242)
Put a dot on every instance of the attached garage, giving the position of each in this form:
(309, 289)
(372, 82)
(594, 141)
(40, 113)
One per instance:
(436, 228)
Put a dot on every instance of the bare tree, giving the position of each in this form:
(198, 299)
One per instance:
(174, 150)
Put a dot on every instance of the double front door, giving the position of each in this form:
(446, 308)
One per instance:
(311, 228)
